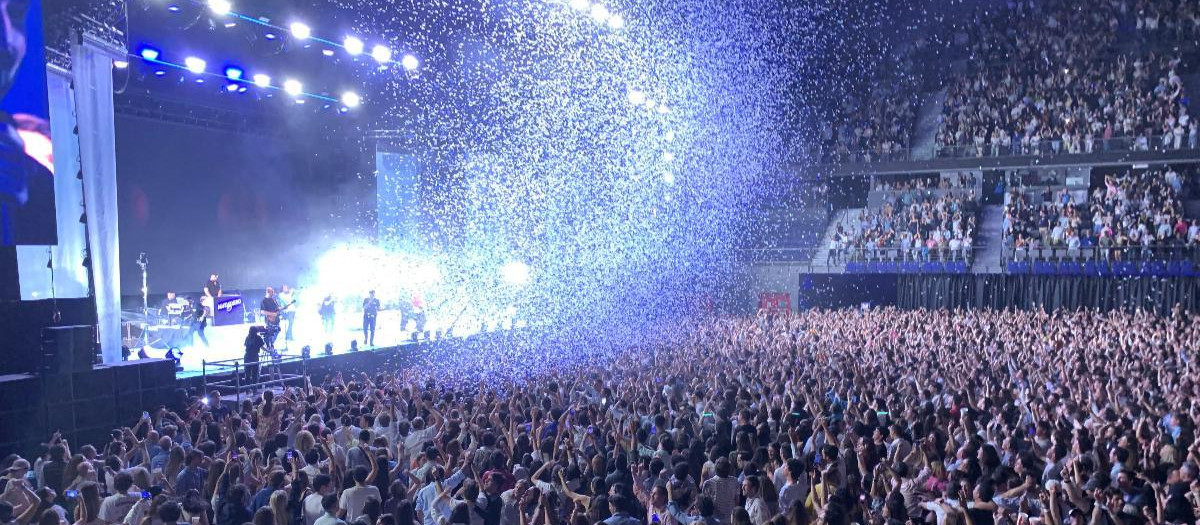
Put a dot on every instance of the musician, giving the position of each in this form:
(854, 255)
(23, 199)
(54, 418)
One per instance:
(172, 304)
(328, 312)
(212, 289)
(416, 313)
(197, 322)
(255, 341)
(370, 312)
(271, 310)
(286, 300)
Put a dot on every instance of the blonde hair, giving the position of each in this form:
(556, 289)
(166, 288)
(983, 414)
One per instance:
(278, 504)
(305, 441)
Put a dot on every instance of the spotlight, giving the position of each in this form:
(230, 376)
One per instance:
(599, 13)
(220, 7)
(636, 97)
(410, 62)
(616, 22)
(669, 178)
(262, 80)
(292, 87)
(327, 52)
(232, 86)
(515, 272)
(300, 31)
(120, 64)
(195, 65)
(234, 73)
(299, 101)
(160, 73)
(580, 5)
(353, 46)
(241, 89)
(230, 25)
(149, 53)
(174, 8)
(351, 99)
(381, 53)
(270, 36)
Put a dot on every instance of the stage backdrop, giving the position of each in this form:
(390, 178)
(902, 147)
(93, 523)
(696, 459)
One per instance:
(256, 209)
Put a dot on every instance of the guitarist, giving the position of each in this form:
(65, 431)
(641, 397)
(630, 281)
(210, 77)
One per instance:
(272, 312)
(286, 299)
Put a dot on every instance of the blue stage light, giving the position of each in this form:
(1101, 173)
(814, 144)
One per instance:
(233, 73)
(149, 53)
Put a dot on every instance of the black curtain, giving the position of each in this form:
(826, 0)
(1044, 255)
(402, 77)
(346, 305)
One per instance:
(1158, 294)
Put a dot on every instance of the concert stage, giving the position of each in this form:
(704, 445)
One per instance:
(228, 342)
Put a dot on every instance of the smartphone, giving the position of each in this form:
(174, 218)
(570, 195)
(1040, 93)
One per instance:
(204, 400)
(71, 494)
(146, 494)
(289, 455)
(145, 415)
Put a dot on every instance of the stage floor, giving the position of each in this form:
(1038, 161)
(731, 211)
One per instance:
(228, 342)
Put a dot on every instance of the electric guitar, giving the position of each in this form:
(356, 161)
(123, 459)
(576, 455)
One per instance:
(273, 317)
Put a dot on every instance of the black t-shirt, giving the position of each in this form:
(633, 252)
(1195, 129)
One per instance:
(371, 306)
(269, 304)
(213, 288)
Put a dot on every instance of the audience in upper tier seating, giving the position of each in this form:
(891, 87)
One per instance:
(923, 219)
(834, 417)
(1132, 210)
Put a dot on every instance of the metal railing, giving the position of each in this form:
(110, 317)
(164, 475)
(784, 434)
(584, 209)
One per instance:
(246, 376)
(1057, 254)
(1048, 148)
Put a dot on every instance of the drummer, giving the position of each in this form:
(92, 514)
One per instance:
(173, 307)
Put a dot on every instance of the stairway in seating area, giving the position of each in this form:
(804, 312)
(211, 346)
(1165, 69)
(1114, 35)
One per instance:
(820, 260)
(989, 241)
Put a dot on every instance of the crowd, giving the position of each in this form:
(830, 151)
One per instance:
(1047, 80)
(923, 222)
(1131, 210)
(835, 417)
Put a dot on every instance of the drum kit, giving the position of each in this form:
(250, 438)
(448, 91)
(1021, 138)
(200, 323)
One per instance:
(158, 327)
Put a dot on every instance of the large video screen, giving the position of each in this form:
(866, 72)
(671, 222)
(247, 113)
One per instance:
(26, 157)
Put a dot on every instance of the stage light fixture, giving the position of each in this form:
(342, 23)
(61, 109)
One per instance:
(292, 87)
(160, 73)
(149, 53)
(195, 65)
(636, 97)
(410, 62)
(174, 8)
(229, 25)
(300, 101)
(599, 13)
(234, 73)
(580, 5)
(262, 80)
(241, 89)
(120, 64)
(353, 46)
(515, 273)
(616, 21)
(232, 86)
(381, 53)
(351, 99)
(220, 7)
(327, 52)
(300, 31)
(270, 36)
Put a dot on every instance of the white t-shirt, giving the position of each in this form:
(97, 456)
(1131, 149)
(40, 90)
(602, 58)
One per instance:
(114, 508)
(355, 498)
(312, 508)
